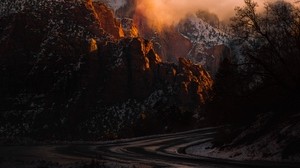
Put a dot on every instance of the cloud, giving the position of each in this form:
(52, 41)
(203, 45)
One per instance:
(160, 13)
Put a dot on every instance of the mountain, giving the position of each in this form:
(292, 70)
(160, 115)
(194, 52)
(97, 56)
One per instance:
(210, 45)
(70, 70)
(200, 41)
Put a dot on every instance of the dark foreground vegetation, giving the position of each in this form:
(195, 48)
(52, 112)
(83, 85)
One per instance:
(258, 94)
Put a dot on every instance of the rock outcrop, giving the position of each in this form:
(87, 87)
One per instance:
(210, 58)
(65, 65)
(107, 20)
(129, 27)
(134, 70)
(169, 43)
(196, 37)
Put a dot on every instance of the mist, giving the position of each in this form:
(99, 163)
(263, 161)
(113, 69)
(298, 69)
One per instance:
(162, 13)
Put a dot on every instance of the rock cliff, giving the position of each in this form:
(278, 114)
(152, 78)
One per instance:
(68, 71)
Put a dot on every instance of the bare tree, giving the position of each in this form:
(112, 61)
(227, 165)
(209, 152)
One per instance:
(271, 40)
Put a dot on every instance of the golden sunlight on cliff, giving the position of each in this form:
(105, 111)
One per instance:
(93, 45)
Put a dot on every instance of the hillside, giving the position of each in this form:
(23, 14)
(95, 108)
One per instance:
(69, 72)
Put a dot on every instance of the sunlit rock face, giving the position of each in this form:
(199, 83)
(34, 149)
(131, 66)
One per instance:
(129, 27)
(67, 69)
(191, 38)
(135, 71)
(107, 20)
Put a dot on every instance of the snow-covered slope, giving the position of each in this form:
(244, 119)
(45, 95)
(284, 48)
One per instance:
(267, 139)
(210, 44)
(200, 32)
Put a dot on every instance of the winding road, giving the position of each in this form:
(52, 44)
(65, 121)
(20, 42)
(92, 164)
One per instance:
(153, 151)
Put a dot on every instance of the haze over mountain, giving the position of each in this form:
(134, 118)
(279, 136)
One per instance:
(170, 12)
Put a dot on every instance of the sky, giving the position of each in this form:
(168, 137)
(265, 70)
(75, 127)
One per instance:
(160, 13)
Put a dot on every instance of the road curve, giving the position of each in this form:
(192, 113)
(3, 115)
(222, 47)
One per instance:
(153, 151)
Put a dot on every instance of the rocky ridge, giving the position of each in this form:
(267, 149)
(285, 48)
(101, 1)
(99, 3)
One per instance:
(69, 72)
(192, 38)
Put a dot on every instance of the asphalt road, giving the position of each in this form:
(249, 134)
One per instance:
(152, 151)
